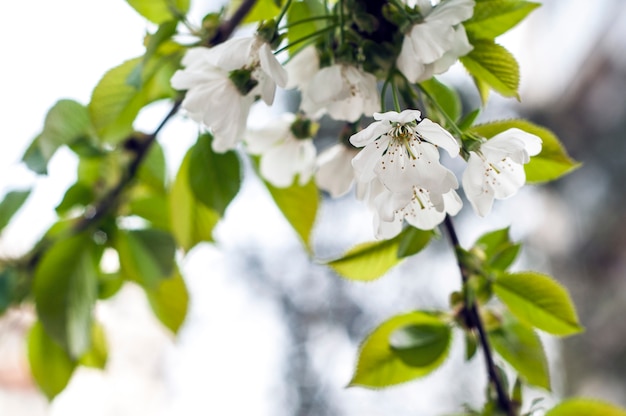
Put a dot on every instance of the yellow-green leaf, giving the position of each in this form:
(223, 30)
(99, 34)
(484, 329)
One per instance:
(65, 289)
(97, 355)
(191, 221)
(539, 301)
(585, 407)
(11, 203)
(401, 349)
(159, 11)
(115, 101)
(50, 365)
(553, 161)
(492, 64)
(169, 301)
(520, 346)
(146, 256)
(495, 17)
(299, 206)
(368, 261)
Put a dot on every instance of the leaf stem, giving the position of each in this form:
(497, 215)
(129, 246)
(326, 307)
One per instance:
(473, 318)
(283, 11)
(304, 38)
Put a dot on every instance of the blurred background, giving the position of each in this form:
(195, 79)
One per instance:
(269, 332)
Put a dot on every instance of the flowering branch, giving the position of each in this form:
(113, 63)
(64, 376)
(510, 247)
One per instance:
(473, 320)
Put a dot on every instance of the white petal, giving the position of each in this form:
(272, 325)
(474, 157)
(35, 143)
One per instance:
(335, 173)
(452, 12)
(368, 158)
(404, 117)
(438, 136)
(421, 213)
(234, 53)
(302, 67)
(479, 196)
(261, 139)
(387, 229)
(326, 84)
(431, 40)
(510, 178)
(408, 62)
(452, 202)
(369, 134)
(278, 165)
(271, 66)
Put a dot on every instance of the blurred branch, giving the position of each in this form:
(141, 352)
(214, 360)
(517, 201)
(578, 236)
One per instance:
(474, 322)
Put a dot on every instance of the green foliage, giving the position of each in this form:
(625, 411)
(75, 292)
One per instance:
(499, 251)
(300, 11)
(538, 300)
(494, 17)
(65, 291)
(493, 65)
(214, 178)
(191, 221)
(299, 206)
(98, 354)
(586, 407)
(371, 260)
(159, 11)
(67, 122)
(11, 203)
(553, 161)
(520, 346)
(447, 98)
(262, 10)
(401, 349)
(169, 301)
(50, 364)
(116, 100)
(146, 255)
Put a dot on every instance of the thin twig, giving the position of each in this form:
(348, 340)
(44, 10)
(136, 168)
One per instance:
(472, 315)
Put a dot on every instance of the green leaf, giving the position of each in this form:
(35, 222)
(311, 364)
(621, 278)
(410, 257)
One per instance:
(585, 407)
(159, 11)
(299, 206)
(152, 171)
(368, 261)
(539, 301)
(412, 241)
(499, 250)
(109, 284)
(11, 203)
(8, 283)
(446, 97)
(553, 161)
(77, 195)
(97, 355)
(494, 17)
(115, 102)
(146, 256)
(467, 121)
(191, 221)
(299, 11)
(50, 365)
(214, 178)
(262, 10)
(66, 123)
(492, 64)
(153, 208)
(169, 301)
(401, 349)
(65, 291)
(520, 346)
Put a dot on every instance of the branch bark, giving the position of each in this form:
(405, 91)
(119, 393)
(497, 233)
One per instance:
(473, 319)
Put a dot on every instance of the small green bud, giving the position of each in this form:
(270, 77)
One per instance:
(303, 128)
(242, 78)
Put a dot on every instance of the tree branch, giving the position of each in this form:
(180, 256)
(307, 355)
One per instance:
(474, 321)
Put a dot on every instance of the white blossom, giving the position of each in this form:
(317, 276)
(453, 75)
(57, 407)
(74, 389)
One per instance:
(302, 68)
(431, 46)
(344, 92)
(400, 149)
(496, 170)
(213, 99)
(424, 210)
(334, 169)
(283, 156)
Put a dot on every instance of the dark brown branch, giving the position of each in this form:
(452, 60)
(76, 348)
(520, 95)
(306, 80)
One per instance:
(227, 28)
(473, 319)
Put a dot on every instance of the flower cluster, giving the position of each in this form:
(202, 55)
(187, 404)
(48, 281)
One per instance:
(395, 160)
